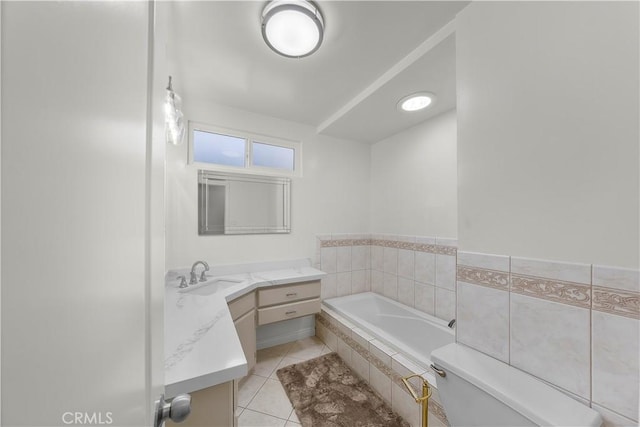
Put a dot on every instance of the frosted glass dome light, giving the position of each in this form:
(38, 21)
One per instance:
(292, 28)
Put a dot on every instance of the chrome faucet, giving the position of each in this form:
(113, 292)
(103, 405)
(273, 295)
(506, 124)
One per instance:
(193, 280)
(451, 323)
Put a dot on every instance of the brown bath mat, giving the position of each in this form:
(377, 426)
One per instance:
(325, 393)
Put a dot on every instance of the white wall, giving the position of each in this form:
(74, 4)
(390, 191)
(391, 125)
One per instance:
(75, 259)
(331, 196)
(548, 130)
(413, 180)
(548, 168)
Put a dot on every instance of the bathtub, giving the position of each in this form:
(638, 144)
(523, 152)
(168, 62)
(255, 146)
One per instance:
(409, 331)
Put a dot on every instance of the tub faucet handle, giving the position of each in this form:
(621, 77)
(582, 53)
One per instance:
(451, 323)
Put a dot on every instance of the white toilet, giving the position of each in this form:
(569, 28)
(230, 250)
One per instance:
(478, 390)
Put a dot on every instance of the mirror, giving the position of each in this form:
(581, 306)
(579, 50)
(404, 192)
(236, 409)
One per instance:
(242, 204)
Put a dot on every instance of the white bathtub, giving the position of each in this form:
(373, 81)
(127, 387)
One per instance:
(409, 331)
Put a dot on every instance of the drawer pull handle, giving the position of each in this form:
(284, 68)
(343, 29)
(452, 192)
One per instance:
(288, 313)
(292, 294)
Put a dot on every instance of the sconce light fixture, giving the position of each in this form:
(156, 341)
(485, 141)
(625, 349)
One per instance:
(173, 117)
(292, 28)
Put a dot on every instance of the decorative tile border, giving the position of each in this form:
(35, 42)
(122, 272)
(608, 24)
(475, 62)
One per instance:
(419, 247)
(436, 249)
(616, 301)
(382, 367)
(393, 244)
(483, 277)
(438, 411)
(344, 242)
(592, 287)
(570, 293)
(434, 407)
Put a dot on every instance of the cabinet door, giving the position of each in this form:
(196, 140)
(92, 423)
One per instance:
(246, 328)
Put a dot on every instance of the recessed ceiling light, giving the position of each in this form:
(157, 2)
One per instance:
(292, 28)
(416, 101)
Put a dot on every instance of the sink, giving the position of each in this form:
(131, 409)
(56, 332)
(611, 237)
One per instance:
(211, 286)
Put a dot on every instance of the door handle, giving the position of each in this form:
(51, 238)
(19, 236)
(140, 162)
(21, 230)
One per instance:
(178, 409)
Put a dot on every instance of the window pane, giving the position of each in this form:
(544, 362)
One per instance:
(219, 149)
(273, 156)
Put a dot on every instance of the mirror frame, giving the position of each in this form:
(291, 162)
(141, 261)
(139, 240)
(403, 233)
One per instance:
(207, 178)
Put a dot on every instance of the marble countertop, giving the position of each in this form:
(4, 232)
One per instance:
(202, 348)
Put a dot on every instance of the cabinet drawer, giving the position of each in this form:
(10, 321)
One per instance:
(288, 293)
(288, 311)
(240, 306)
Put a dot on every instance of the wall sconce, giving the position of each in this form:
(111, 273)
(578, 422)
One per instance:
(173, 117)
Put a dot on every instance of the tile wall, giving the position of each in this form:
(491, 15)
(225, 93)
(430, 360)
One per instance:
(346, 258)
(417, 271)
(575, 326)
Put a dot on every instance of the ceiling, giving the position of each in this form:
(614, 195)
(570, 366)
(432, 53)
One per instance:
(373, 54)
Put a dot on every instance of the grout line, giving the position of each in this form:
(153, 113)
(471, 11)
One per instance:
(455, 290)
(509, 319)
(258, 375)
(591, 341)
(266, 379)
(254, 395)
(263, 413)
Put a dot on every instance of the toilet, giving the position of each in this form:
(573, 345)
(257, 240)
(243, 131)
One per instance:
(478, 390)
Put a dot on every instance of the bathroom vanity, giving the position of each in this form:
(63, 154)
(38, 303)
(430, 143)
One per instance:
(287, 302)
(210, 329)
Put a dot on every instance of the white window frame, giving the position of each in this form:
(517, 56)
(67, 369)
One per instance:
(249, 138)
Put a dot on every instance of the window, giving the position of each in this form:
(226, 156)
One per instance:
(225, 149)
(272, 156)
(218, 149)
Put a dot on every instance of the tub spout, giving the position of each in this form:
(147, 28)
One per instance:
(452, 323)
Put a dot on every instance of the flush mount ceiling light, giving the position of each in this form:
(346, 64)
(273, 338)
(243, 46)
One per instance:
(292, 28)
(416, 101)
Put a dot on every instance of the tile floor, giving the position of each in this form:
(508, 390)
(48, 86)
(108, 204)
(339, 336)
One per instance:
(262, 401)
